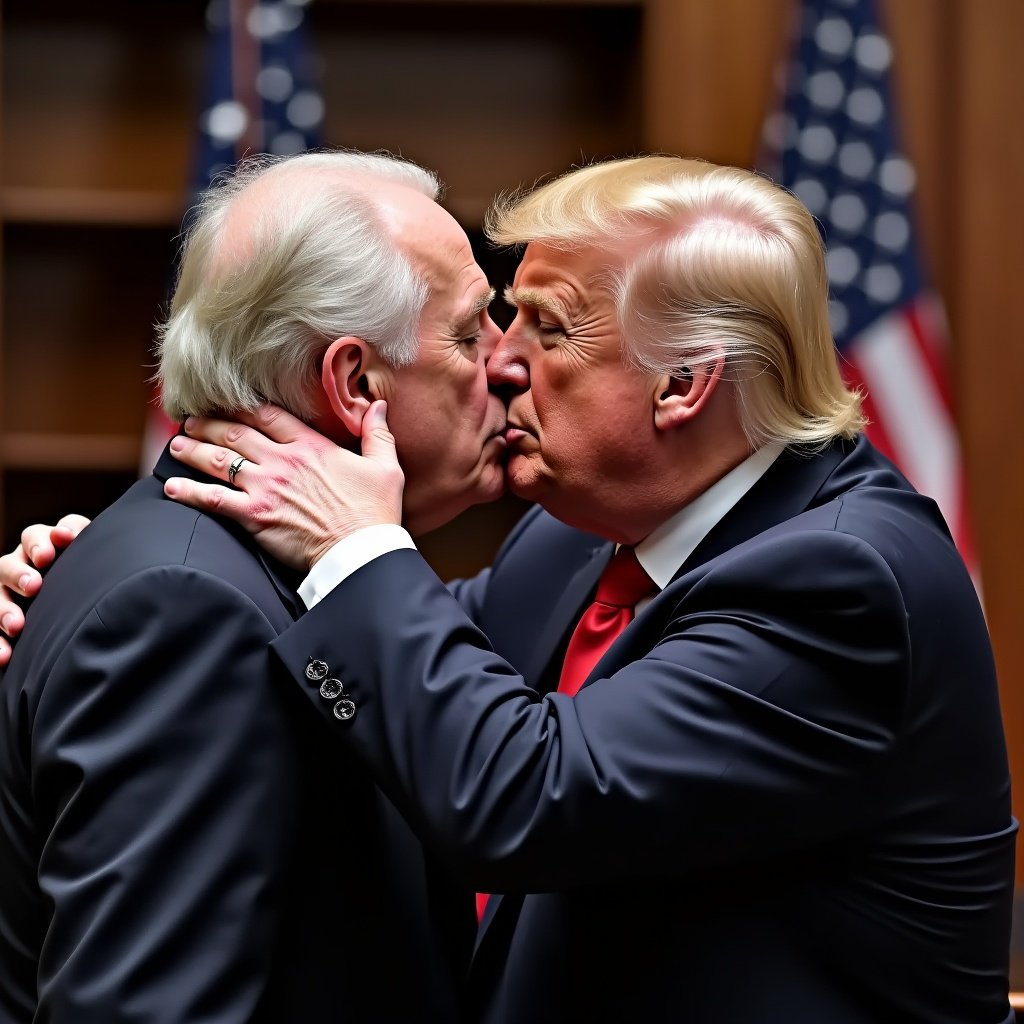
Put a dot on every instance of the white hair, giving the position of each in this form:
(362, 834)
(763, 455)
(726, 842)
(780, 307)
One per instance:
(283, 255)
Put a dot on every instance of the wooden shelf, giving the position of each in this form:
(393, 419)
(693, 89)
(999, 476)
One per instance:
(113, 452)
(91, 206)
(99, 131)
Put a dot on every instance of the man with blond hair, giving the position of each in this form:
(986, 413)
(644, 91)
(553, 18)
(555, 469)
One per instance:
(719, 730)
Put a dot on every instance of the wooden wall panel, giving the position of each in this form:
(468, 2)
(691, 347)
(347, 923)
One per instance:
(986, 224)
(958, 89)
(707, 71)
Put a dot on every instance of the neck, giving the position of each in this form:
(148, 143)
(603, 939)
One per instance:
(334, 430)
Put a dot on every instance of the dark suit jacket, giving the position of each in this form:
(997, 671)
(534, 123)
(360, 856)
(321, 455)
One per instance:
(782, 796)
(172, 847)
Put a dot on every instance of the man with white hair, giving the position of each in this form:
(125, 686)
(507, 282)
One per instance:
(173, 846)
(721, 722)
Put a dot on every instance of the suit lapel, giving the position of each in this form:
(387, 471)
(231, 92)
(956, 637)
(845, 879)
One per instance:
(566, 611)
(786, 489)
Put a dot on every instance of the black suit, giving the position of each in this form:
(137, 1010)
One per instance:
(172, 846)
(782, 796)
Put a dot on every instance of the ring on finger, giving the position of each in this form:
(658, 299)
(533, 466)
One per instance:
(236, 465)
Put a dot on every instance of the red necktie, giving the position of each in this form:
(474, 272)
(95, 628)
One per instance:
(622, 584)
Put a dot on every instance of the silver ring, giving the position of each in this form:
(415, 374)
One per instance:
(236, 465)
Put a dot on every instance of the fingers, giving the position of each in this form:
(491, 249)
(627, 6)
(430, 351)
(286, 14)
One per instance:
(212, 498)
(252, 433)
(12, 618)
(36, 548)
(17, 576)
(378, 443)
(211, 459)
(67, 529)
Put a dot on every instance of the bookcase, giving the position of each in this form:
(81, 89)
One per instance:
(99, 107)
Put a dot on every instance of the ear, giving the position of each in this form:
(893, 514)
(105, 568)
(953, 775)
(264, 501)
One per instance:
(344, 379)
(678, 398)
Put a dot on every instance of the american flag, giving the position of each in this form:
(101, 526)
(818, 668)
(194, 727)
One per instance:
(260, 97)
(834, 142)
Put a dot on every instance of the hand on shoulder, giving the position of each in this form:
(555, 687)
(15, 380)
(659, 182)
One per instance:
(21, 572)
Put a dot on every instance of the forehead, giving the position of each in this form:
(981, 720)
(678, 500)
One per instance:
(567, 277)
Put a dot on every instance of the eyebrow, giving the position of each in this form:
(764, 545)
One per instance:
(480, 303)
(535, 300)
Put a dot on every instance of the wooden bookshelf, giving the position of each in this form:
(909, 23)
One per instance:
(97, 127)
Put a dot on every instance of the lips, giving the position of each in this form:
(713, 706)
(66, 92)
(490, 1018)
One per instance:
(514, 433)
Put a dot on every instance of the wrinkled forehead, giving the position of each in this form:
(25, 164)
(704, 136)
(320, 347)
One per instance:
(582, 270)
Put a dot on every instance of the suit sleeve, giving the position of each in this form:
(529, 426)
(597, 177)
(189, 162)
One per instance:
(471, 593)
(747, 726)
(162, 765)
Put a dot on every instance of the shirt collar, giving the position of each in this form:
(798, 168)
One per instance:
(663, 551)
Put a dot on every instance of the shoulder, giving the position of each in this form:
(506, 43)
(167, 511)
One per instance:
(539, 540)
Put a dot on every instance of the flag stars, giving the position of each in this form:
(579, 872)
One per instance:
(225, 122)
(856, 160)
(812, 194)
(848, 212)
(305, 110)
(817, 143)
(839, 160)
(265, 21)
(897, 176)
(825, 90)
(882, 283)
(873, 53)
(843, 265)
(865, 106)
(275, 83)
(892, 230)
(834, 37)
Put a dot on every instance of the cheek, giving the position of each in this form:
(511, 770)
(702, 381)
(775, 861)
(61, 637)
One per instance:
(593, 425)
(473, 392)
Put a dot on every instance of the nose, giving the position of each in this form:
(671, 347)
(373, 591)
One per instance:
(489, 338)
(508, 366)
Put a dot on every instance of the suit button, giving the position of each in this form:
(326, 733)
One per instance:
(344, 710)
(331, 688)
(316, 670)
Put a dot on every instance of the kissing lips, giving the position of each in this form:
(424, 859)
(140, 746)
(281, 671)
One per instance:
(515, 433)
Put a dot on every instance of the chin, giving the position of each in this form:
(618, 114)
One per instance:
(522, 480)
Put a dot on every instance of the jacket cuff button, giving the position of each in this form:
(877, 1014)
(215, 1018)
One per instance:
(344, 710)
(316, 670)
(331, 688)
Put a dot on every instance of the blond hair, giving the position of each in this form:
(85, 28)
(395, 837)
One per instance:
(717, 262)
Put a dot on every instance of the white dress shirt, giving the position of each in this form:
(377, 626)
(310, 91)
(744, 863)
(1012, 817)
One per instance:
(661, 553)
